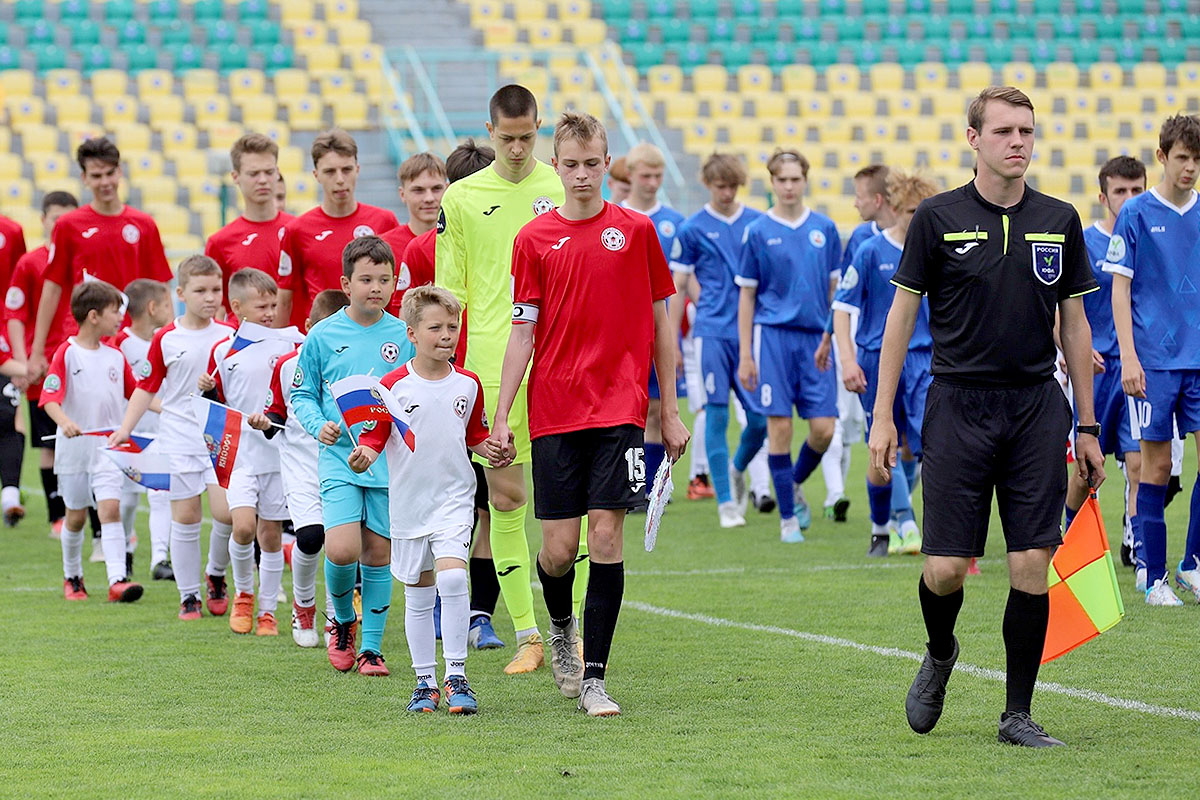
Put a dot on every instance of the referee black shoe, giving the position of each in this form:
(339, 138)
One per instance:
(879, 546)
(928, 692)
(1019, 728)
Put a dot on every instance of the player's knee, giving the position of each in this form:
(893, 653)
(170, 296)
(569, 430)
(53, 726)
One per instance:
(310, 539)
(556, 557)
(452, 582)
(820, 433)
(945, 575)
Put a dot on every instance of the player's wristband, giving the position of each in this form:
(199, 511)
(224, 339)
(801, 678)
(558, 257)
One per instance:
(1093, 429)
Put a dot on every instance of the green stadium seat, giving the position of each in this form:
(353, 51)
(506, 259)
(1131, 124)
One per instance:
(690, 55)
(276, 57)
(262, 32)
(719, 29)
(746, 9)
(49, 56)
(28, 10)
(1170, 51)
(131, 32)
(803, 30)
(674, 31)
(660, 9)
(879, 7)
(779, 56)
(829, 8)
(185, 56)
(214, 9)
(618, 10)
(921, 7)
(765, 32)
(736, 54)
(704, 9)
(38, 32)
(1190, 26)
(866, 54)
(95, 58)
(176, 33)
(219, 32)
(163, 10)
(960, 6)
(247, 9)
(9, 58)
(73, 9)
(140, 57)
(83, 32)
(849, 29)
(119, 10)
(232, 56)
(909, 54)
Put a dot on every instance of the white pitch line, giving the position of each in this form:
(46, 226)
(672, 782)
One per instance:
(688, 573)
(895, 652)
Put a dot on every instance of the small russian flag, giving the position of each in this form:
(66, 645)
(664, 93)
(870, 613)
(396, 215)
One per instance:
(249, 333)
(150, 469)
(221, 427)
(136, 444)
(363, 399)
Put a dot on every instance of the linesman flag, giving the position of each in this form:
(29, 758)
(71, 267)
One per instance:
(362, 399)
(221, 427)
(1085, 600)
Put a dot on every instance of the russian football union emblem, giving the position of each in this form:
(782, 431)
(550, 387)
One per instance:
(460, 405)
(131, 234)
(390, 351)
(612, 239)
(363, 230)
(542, 205)
(1047, 262)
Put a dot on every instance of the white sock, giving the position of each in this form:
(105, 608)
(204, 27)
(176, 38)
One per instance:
(846, 448)
(72, 552)
(760, 473)
(160, 526)
(524, 634)
(10, 497)
(304, 577)
(185, 558)
(456, 619)
(418, 629)
(241, 556)
(112, 536)
(218, 548)
(270, 578)
(699, 454)
(831, 469)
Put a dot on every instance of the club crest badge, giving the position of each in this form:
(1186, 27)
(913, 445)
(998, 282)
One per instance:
(612, 239)
(1047, 262)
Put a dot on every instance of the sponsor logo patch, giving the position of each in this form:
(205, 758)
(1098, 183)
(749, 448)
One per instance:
(1047, 262)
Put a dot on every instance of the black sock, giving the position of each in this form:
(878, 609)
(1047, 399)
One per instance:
(12, 453)
(940, 612)
(606, 588)
(485, 586)
(1025, 619)
(94, 518)
(557, 592)
(55, 508)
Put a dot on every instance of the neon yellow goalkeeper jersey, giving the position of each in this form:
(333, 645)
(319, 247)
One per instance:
(481, 215)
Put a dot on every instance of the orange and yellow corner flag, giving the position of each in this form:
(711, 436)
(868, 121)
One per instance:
(1084, 598)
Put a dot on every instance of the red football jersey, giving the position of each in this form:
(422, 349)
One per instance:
(21, 303)
(12, 247)
(117, 249)
(419, 261)
(310, 257)
(398, 239)
(590, 286)
(243, 243)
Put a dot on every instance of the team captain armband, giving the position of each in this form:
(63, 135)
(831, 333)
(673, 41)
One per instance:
(524, 313)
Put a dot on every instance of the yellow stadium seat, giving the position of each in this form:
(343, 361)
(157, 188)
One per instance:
(574, 9)
(948, 104)
(159, 190)
(929, 76)
(302, 191)
(16, 83)
(209, 111)
(585, 32)
(754, 78)
(294, 10)
(709, 78)
(699, 136)
(589, 103)
(200, 83)
(309, 34)
(499, 33)
(205, 190)
(155, 82)
(680, 108)
(835, 130)
(278, 131)
(30, 220)
(1078, 154)
(1125, 101)
(246, 84)
(183, 244)
(886, 77)
(143, 165)
(170, 218)
(350, 111)
(535, 80)
(1061, 75)
(788, 132)
(973, 76)
(334, 83)
(664, 79)
(1018, 73)
(50, 167)
(515, 60)
(16, 193)
(119, 110)
(163, 110)
(109, 83)
(485, 11)
(1105, 76)
(38, 138)
(1187, 76)
(291, 159)
(305, 113)
(768, 105)
(221, 136)
(546, 33)
(69, 110)
(722, 105)
(528, 10)
(291, 83)
(900, 104)
(1055, 128)
(11, 164)
(25, 111)
(62, 83)
(340, 10)
(372, 86)
(577, 79)
(179, 138)
(364, 58)
(352, 32)
(744, 133)
(322, 59)
(815, 107)
(259, 111)
(798, 78)
(840, 77)
(882, 129)
(77, 133)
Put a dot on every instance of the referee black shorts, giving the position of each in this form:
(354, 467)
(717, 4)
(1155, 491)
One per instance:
(1008, 440)
(597, 468)
(41, 425)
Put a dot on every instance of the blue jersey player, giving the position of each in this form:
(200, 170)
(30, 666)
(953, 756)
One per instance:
(1154, 256)
(1120, 178)
(866, 288)
(645, 164)
(708, 247)
(791, 258)
(359, 339)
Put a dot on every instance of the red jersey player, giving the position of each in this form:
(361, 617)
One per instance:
(310, 258)
(105, 240)
(251, 240)
(422, 184)
(12, 247)
(593, 280)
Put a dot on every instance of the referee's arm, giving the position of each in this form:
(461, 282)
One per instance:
(900, 321)
(1076, 336)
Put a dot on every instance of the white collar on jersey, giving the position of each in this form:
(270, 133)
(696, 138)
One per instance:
(654, 210)
(794, 224)
(1180, 210)
(727, 220)
(1100, 228)
(886, 234)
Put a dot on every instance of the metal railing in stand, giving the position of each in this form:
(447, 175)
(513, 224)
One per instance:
(396, 136)
(436, 111)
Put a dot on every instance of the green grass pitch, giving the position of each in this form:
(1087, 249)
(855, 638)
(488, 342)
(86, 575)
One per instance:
(745, 668)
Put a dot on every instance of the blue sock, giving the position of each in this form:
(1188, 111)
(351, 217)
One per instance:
(781, 475)
(655, 453)
(880, 498)
(716, 432)
(1150, 503)
(910, 473)
(376, 600)
(1191, 551)
(1139, 548)
(901, 504)
(1071, 512)
(339, 579)
(753, 436)
(807, 461)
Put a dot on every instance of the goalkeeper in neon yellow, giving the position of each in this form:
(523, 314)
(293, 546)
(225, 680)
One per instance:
(481, 215)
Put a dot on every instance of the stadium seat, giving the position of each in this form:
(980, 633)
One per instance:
(768, 105)
(258, 111)
(699, 136)
(210, 111)
(843, 76)
(544, 34)
(143, 165)
(1105, 76)
(26, 110)
(11, 164)
(886, 77)
(62, 83)
(16, 193)
(215, 9)
(37, 138)
(246, 84)
(305, 113)
(664, 79)
(163, 110)
(16, 83)
(680, 108)
(170, 218)
(295, 11)
(279, 132)
(221, 136)
(710, 78)
(331, 84)
(200, 83)
(353, 33)
(975, 75)
(754, 79)
(121, 110)
(292, 159)
(277, 57)
(1149, 76)
(340, 10)
(156, 191)
(50, 167)
(179, 139)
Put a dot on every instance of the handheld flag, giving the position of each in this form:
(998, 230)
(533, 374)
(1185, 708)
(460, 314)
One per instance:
(222, 430)
(136, 444)
(1085, 599)
(362, 399)
(660, 495)
(148, 468)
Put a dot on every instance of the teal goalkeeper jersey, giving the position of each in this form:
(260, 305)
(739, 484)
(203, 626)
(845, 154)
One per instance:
(336, 348)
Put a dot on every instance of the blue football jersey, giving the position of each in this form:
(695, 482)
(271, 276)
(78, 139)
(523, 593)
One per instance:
(666, 224)
(866, 287)
(1098, 305)
(858, 237)
(1157, 246)
(709, 246)
(791, 264)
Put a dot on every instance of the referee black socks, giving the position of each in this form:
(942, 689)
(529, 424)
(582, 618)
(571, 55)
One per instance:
(606, 588)
(485, 586)
(1025, 619)
(55, 508)
(940, 613)
(557, 592)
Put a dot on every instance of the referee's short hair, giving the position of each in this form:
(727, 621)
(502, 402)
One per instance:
(581, 127)
(1004, 94)
(372, 248)
(1181, 129)
(1126, 167)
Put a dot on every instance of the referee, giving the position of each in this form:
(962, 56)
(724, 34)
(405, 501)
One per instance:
(996, 259)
